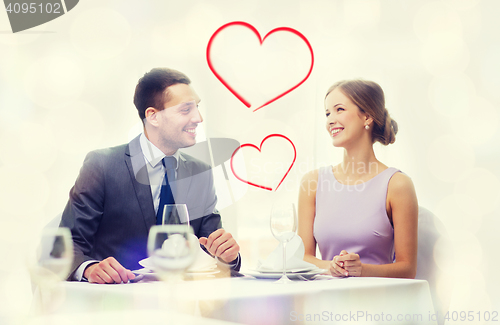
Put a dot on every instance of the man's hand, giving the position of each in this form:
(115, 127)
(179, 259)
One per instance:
(108, 271)
(221, 244)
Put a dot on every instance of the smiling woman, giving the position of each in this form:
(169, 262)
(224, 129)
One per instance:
(361, 213)
(368, 98)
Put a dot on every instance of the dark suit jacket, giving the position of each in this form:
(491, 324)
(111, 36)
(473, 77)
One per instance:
(110, 208)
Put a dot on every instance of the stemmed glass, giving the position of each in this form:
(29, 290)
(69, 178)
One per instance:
(172, 249)
(283, 227)
(175, 214)
(50, 263)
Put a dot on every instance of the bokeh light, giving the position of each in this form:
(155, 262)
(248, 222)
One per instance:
(469, 291)
(203, 14)
(478, 192)
(361, 13)
(15, 292)
(449, 210)
(462, 4)
(53, 80)
(18, 184)
(490, 69)
(100, 33)
(452, 95)
(440, 29)
(78, 127)
(321, 24)
(436, 17)
(12, 232)
(466, 245)
(448, 159)
(443, 254)
(479, 124)
(165, 40)
(8, 55)
(34, 143)
(444, 53)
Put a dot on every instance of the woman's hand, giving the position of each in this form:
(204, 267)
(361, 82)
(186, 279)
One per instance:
(337, 267)
(346, 264)
(351, 263)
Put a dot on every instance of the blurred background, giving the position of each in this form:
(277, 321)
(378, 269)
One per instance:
(66, 88)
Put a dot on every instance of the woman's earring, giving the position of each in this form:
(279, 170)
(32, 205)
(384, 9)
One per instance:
(367, 127)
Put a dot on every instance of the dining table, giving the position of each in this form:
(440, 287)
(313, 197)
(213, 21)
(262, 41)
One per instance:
(228, 298)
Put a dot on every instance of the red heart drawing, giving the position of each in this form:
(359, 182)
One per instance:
(260, 148)
(261, 40)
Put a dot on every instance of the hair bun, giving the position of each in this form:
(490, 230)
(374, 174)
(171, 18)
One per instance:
(394, 126)
(390, 129)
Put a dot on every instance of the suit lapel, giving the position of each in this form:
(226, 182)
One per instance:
(136, 165)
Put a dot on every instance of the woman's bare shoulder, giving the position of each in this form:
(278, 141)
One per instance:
(400, 182)
(309, 183)
(401, 188)
(311, 175)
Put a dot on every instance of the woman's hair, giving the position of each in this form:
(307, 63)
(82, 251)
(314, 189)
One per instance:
(369, 97)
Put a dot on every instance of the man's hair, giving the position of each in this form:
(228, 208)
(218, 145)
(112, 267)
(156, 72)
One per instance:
(150, 90)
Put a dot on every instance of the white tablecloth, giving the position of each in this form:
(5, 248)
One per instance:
(124, 317)
(250, 301)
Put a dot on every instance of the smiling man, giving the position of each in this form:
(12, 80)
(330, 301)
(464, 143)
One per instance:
(120, 191)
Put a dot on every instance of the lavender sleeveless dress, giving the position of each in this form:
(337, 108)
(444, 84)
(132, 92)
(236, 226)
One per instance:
(354, 218)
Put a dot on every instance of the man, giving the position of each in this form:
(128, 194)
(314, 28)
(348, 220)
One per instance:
(116, 198)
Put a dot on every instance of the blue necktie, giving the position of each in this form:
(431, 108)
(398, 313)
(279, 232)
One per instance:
(166, 196)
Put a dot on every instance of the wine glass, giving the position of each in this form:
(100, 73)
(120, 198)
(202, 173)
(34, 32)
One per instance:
(283, 227)
(172, 249)
(175, 214)
(51, 262)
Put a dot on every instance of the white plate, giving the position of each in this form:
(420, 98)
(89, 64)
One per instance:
(277, 275)
(204, 264)
(197, 272)
(298, 270)
(200, 270)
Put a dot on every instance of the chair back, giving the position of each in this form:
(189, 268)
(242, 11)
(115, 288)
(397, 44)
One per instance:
(434, 259)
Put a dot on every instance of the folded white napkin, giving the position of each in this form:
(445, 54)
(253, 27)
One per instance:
(202, 262)
(294, 258)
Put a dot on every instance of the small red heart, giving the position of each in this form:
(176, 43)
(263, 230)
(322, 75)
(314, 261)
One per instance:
(259, 148)
(261, 40)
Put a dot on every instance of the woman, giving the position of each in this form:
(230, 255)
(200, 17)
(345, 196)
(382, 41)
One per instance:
(361, 214)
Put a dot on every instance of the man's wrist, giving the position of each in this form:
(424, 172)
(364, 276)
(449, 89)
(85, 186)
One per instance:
(78, 274)
(88, 269)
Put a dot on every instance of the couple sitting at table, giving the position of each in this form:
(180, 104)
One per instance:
(117, 195)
